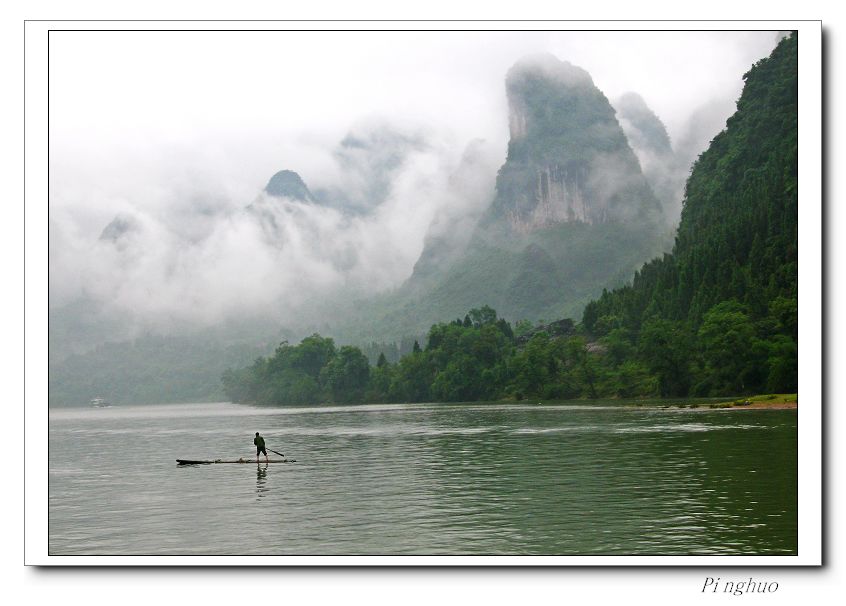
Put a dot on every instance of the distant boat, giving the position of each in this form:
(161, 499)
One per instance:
(100, 403)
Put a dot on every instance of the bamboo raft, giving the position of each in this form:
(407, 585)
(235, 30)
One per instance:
(241, 461)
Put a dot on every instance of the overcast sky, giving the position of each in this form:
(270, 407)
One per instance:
(254, 100)
(147, 123)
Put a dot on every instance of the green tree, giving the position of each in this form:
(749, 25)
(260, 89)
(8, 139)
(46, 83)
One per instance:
(727, 339)
(460, 381)
(482, 316)
(665, 347)
(533, 367)
(412, 378)
(782, 365)
(346, 375)
(584, 365)
(523, 327)
(736, 241)
(632, 379)
(289, 386)
(312, 354)
(619, 345)
(379, 386)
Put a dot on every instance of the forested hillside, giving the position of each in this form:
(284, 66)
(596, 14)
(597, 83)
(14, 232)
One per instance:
(716, 317)
(572, 214)
(719, 313)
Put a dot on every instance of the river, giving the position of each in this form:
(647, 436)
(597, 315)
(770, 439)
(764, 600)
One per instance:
(435, 479)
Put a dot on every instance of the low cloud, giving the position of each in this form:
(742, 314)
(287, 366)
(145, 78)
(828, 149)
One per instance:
(156, 210)
(183, 254)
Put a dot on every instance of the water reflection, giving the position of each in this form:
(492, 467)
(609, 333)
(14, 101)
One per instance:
(261, 481)
(582, 484)
(434, 479)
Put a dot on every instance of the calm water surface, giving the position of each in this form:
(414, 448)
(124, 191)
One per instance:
(443, 479)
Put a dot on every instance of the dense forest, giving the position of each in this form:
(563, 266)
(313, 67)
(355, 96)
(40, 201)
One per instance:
(477, 358)
(716, 316)
(721, 309)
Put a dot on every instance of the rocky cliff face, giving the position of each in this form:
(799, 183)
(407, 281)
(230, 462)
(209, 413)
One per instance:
(571, 213)
(556, 195)
(568, 158)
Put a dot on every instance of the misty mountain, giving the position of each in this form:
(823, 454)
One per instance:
(642, 126)
(370, 158)
(119, 228)
(664, 169)
(716, 317)
(706, 121)
(568, 213)
(572, 212)
(471, 189)
(288, 184)
(568, 158)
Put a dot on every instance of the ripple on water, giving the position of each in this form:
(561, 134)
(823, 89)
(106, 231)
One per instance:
(424, 479)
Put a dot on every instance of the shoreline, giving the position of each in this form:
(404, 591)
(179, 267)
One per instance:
(787, 401)
(759, 402)
(765, 406)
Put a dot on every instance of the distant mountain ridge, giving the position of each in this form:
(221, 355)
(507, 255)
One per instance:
(568, 158)
(572, 212)
(642, 126)
(569, 213)
(664, 168)
(288, 184)
(722, 307)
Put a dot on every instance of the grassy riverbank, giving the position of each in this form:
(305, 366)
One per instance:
(764, 401)
(772, 401)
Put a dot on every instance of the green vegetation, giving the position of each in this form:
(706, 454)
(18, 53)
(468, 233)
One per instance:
(551, 273)
(716, 317)
(526, 258)
(475, 358)
(719, 314)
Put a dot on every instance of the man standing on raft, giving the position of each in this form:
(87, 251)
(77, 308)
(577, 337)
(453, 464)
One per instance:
(259, 442)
